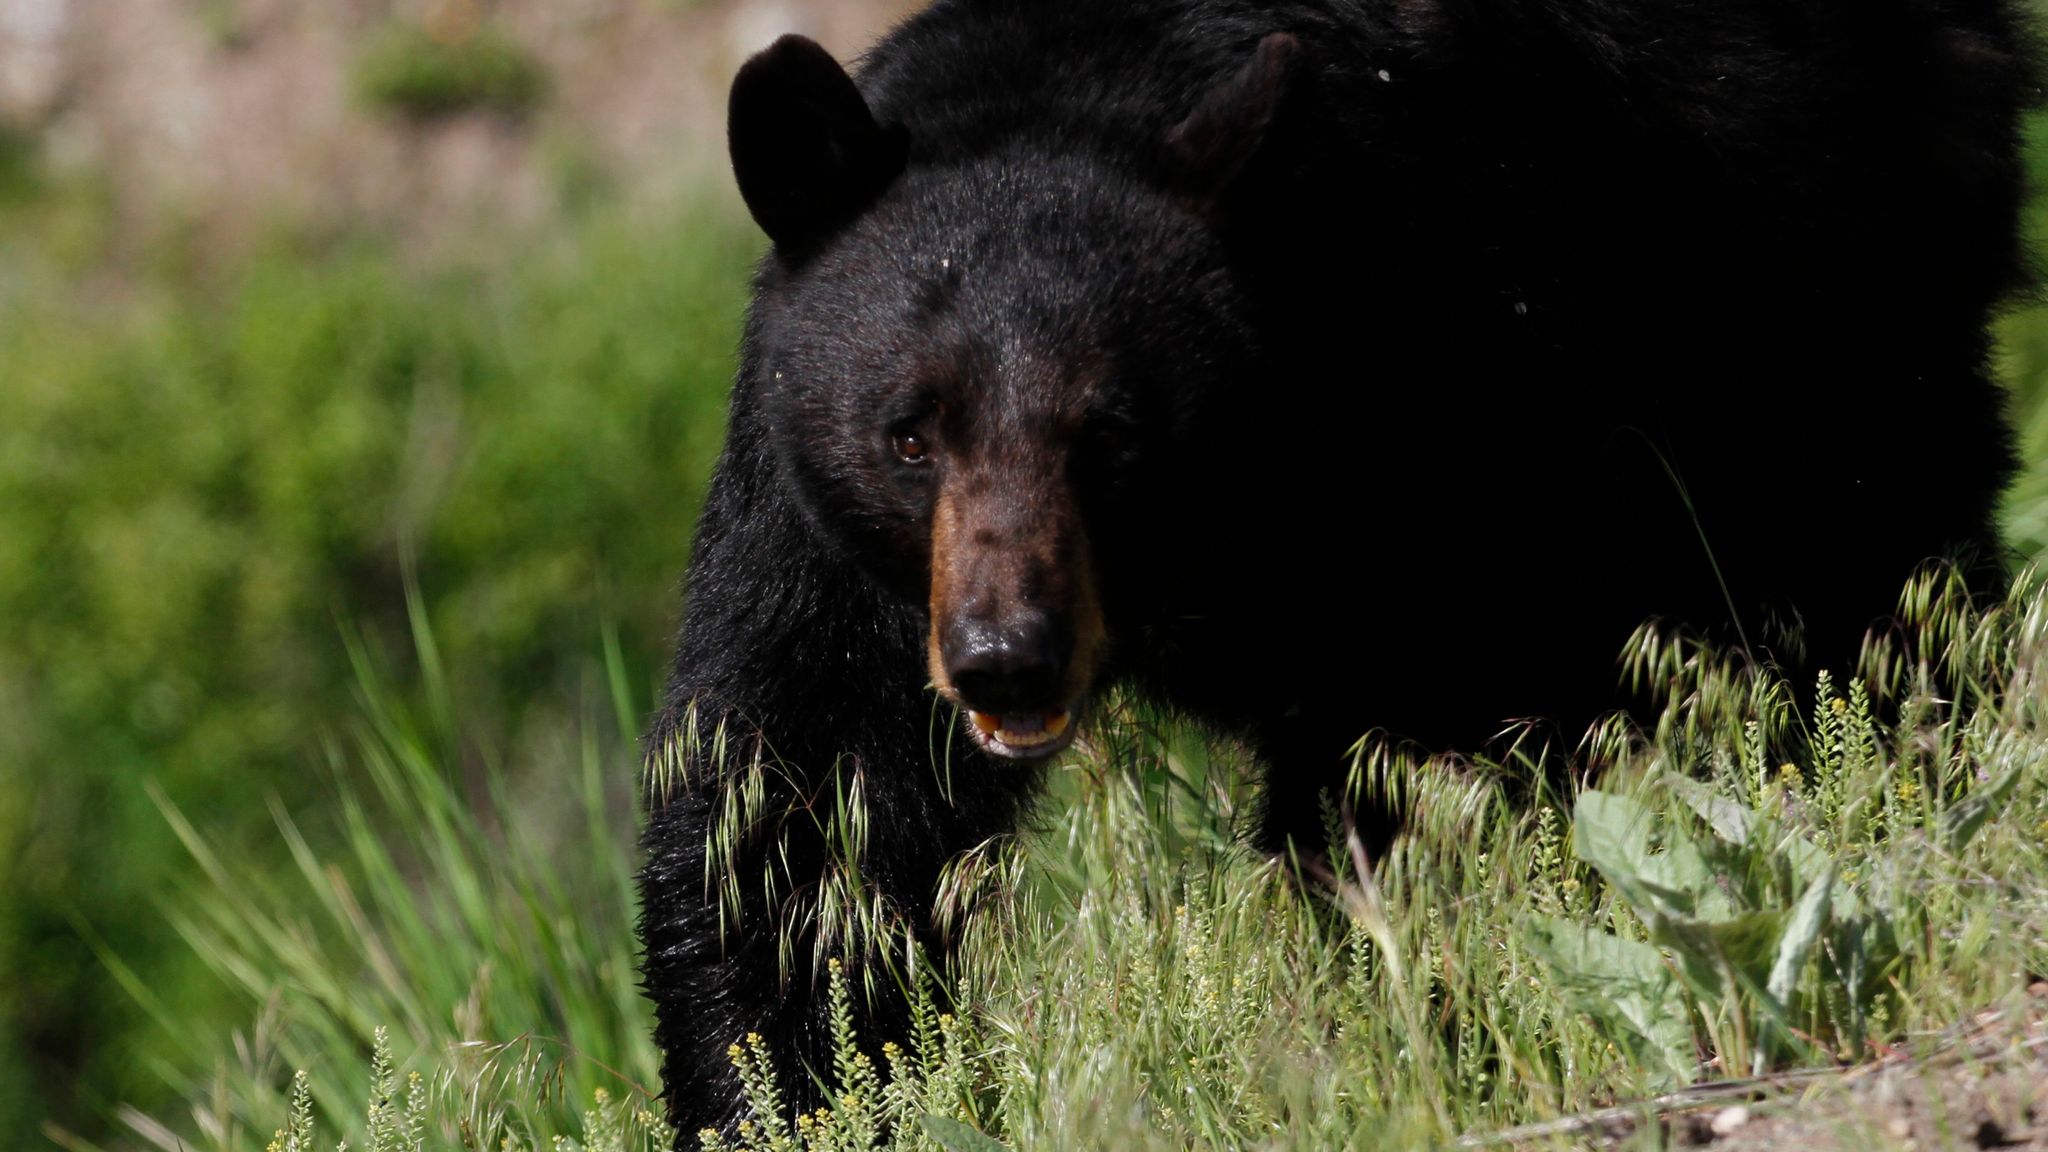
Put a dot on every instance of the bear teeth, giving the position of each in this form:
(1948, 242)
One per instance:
(1022, 733)
(1017, 739)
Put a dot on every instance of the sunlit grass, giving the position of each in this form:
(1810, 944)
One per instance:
(203, 466)
(1753, 887)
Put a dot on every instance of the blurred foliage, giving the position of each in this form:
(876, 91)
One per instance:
(513, 971)
(420, 72)
(17, 164)
(2023, 363)
(207, 472)
(2024, 340)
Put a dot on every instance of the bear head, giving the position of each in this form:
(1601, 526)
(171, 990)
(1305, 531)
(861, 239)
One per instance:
(978, 372)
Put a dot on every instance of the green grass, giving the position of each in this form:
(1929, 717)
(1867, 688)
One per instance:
(1751, 888)
(204, 469)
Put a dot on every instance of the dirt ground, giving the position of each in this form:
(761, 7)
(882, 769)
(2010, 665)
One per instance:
(1977, 1101)
(1983, 1086)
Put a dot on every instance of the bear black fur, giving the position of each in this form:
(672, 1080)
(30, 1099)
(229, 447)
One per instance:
(1310, 368)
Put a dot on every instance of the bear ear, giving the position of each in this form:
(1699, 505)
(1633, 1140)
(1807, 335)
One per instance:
(806, 151)
(1209, 148)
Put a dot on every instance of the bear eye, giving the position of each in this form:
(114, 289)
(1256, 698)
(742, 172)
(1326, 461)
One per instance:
(911, 448)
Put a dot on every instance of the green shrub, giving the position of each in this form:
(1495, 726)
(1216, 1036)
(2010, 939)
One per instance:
(2023, 362)
(487, 922)
(408, 72)
(204, 476)
(17, 164)
(2023, 339)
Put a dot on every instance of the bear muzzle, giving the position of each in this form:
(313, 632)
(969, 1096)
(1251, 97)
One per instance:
(1011, 674)
(1016, 629)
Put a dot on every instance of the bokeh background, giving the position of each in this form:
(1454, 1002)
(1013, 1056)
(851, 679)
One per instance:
(307, 306)
(326, 325)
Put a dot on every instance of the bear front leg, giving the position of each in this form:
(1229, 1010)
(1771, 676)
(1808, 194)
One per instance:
(798, 682)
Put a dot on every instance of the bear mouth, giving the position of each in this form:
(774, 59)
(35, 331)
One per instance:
(1022, 735)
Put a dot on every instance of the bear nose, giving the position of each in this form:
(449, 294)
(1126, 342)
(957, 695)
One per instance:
(1006, 667)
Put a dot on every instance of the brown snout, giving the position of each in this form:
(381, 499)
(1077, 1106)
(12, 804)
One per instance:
(1016, 626)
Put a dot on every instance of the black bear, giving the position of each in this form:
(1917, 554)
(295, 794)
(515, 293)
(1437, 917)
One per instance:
(1309, 367)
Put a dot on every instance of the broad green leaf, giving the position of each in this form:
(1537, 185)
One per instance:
(1810, 862)
(1865, 954)
(1627, 990)
(1708, 952)
(1962, 822)
(1731, 821)
(1611, 829)
(1612, 833)
(1683, 868)
(1796, 941)
(957, 1137)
